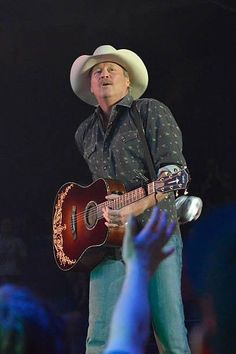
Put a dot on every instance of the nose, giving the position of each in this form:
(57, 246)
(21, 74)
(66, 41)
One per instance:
(104, 73)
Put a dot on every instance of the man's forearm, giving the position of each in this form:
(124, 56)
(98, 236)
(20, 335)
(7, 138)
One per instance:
(141, 205)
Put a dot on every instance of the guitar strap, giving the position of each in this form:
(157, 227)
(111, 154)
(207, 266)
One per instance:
(135, 114)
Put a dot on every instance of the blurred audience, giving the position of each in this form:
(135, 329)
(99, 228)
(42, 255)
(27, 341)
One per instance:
(28, 325)
(12, 253)
(211, 251)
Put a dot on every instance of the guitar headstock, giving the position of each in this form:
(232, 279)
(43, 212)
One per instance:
(173, 181)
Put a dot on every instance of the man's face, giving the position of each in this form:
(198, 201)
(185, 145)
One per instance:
(109, 81)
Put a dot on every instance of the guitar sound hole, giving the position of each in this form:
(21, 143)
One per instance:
(91, 215)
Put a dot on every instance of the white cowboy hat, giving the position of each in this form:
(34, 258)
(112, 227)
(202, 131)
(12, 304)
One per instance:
(131, 62)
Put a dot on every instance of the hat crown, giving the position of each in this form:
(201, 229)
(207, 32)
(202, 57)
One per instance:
(104, 49)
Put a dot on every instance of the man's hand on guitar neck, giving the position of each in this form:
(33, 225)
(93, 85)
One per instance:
(119, 217)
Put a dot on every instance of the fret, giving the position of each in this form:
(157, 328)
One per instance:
(165, 184)
(128, 198)
(151, 188)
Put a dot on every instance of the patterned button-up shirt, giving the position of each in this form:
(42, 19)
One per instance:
(116, 151)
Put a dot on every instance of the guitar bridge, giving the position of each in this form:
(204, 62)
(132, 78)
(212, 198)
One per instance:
(74, 222)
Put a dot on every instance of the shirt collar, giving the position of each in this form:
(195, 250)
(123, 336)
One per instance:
(126, 101)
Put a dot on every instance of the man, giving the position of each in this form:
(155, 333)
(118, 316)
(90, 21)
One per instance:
(109, 142)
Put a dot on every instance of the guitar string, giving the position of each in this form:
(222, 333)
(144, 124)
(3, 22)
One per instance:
(97, 209)
(133, 194)
(128, 199)
(94, 211)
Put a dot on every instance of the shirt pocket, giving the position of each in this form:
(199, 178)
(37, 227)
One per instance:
(131, 146)
(129, 136)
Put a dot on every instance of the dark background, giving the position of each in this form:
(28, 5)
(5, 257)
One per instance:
(187, 46)
(189, 50)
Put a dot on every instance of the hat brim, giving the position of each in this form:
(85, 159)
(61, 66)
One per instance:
(131, 62)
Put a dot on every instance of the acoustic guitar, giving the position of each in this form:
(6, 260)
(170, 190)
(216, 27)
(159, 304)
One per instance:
(78, 223)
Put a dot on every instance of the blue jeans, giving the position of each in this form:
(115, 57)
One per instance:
(165, 301)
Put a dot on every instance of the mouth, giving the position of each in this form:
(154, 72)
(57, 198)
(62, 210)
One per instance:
(105, 84)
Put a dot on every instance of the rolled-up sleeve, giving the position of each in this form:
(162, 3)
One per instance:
(164, 136)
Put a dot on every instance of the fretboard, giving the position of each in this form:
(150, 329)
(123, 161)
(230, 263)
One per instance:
(129, 197)
(171, 182)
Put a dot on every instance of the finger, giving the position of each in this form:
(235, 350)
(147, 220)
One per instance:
(115, 216)
(170, 229)
(131, 228)
(167, 233)
(149, 233)
(105, 214)
(167, 251)
(154, 219)
(111, 196)
(162, 223)
(113, 213)
(109, 224)
(106, 209)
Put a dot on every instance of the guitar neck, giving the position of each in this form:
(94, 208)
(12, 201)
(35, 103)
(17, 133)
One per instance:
(133, 196)
(130, 197)
(165, 184)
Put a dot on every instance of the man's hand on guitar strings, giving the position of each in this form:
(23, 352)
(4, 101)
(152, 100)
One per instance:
(114, 217)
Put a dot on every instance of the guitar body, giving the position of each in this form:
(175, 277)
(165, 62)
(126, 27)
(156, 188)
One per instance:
(78, 229)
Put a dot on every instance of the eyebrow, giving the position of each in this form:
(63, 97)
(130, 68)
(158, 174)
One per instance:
(96, 66)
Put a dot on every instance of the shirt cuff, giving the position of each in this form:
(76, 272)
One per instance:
(169, 168)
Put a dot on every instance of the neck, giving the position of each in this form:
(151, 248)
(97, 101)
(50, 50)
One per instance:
(106, 103)
(106, 107)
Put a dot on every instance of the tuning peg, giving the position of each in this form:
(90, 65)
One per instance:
(177, 193)
(185, 192)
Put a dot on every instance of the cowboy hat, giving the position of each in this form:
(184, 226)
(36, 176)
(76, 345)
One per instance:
(131, 62)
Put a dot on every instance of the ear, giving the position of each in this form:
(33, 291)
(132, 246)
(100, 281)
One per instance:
(128, 82)
(91, 90)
